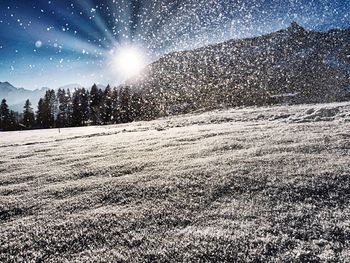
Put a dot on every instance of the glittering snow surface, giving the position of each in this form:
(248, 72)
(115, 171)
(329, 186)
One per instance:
(241, 184)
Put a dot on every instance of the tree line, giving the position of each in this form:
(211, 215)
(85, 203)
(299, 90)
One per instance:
(63, 108)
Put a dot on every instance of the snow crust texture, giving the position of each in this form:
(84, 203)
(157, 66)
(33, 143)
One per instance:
(238, 185)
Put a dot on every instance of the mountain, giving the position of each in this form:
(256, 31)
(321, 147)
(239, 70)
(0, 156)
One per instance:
(72, 87)
(16, 97)
(292, 65)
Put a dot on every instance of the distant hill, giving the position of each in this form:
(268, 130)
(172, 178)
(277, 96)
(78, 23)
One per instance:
(16, 97)
(292, 65)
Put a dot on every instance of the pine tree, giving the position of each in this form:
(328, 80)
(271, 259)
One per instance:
(95, 104)
(52, 106)
(4, 115)
(12, 121)
(48, 109)
(136, 108)
(84, 105)
(107, 105)
(62, 108)
(40, 114)
(28, 115)
(69, 108)
(150, 107)
(77, 114)
(125, 105)
(115, 106)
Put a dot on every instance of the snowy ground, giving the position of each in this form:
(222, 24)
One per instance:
(266, 184)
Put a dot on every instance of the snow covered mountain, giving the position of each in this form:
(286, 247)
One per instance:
(16, 97)
(293, 65)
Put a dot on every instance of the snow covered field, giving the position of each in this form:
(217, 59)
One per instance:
(248, 184)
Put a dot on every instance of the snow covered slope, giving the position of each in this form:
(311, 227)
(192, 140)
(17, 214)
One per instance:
(234, 185)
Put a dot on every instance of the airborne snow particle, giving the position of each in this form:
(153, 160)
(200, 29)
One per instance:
(38, 44)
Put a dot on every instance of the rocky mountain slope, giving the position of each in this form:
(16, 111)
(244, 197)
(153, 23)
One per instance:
(291, 65)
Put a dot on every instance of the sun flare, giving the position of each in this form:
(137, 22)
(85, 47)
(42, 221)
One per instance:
(128, 61)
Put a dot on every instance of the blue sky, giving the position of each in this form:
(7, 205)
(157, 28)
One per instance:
(52, 43)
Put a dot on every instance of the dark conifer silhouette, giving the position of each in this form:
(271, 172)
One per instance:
(95, 105)
(4, 115)
(77, 113)
(40, 114)
(63, 109)
(28, 115)
(84, 105)
(125, 105)
(107, 105)
(62, 115)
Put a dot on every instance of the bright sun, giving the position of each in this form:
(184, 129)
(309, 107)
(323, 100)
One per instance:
(128, 61)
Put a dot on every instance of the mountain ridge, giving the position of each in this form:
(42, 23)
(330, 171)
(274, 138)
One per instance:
(292, 27)
(253, 71)
(16, 97)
